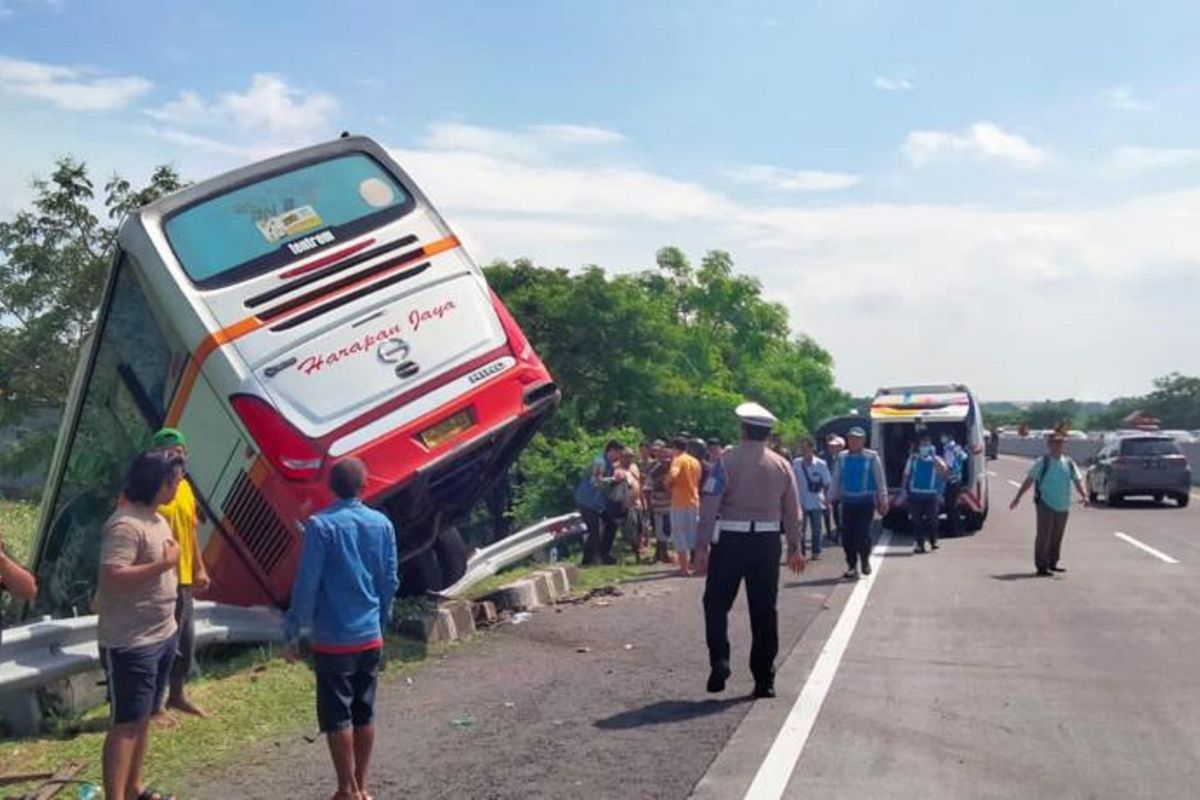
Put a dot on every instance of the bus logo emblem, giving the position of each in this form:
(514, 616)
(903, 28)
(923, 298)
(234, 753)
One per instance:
(393, 351)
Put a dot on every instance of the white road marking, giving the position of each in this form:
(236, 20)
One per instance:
(1014, 483)
(1156, 553)
(771, 780)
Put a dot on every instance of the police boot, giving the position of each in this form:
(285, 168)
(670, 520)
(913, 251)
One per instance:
(764, 687)
(717, 677)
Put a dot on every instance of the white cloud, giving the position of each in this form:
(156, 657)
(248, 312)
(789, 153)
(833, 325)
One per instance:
(983, 140)
(788, 180)
(268, 106)
(893, 83)
(535, 142)
(1133, 159)
(1123, 98)
(69, 87)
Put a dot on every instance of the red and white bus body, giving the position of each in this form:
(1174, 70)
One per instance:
(298, 310)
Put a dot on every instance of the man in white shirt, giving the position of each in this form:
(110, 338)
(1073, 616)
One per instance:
(813, 481)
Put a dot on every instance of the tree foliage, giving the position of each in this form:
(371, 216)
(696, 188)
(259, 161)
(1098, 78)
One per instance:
(53, 262)
(652, 354)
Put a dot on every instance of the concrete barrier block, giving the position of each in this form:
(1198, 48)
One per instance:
(485, 613)
(543, 587)
(517, 596)
(560, 585)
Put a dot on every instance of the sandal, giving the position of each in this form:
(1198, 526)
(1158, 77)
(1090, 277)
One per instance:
(155, 794)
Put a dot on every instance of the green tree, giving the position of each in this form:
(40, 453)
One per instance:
(53, 263)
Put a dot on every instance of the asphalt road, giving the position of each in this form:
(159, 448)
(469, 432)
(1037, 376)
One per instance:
(969, 676)
(965, 676)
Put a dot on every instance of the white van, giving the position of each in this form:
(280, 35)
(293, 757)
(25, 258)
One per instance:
(898, 413)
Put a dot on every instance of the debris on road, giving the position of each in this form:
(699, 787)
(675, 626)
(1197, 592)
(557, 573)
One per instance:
(463, 723)
(583, 649)
(520, 617)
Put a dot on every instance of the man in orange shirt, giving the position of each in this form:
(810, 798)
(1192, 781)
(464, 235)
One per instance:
(684, 482)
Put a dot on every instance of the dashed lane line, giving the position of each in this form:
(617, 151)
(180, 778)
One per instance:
(1014, 483)
(1143, 546)
(771, 780)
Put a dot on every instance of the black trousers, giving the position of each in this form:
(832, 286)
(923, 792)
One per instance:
(753, 557)
(856, 532)
(953, 514)
(923, 512)
(601, 533)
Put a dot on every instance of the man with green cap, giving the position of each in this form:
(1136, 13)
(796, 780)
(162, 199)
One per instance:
(181, 516)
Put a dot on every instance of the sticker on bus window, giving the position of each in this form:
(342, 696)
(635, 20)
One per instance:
(376, 193)
(289, 223)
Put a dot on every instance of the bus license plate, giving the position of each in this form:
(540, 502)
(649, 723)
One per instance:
(447, 429)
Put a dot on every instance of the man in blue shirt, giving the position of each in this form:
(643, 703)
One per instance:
(921, 487)
(347, 578)
(1052, 477)
(860, 485)
(591, 497)
(812, 481)
(956, 458)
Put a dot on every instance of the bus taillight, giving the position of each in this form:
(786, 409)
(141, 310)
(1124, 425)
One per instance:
(295, 456)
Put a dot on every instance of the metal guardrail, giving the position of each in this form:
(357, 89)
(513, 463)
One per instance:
(489, 560)
(35, 654)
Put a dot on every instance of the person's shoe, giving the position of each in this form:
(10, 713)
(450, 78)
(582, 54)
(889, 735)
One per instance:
(866, 570)
(850, 574)
(933, 545)
(717, 677)
(1057, 568)
(1045, 573)
(764, 689)
(920, 548)
(610, 560)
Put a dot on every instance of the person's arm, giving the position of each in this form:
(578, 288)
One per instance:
(388, 581)
(1077, 479)
(881, 487)
(199, 571)
(1025, 485)
(308, 581)
(15, 577)
(835, 483)
(941, 466)
(791, 523)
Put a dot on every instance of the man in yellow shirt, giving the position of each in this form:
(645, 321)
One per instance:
(684, 482)
(181, 515)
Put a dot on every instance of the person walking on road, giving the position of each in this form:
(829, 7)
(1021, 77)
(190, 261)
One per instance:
(813, 481)
(181, 515)
(860, 485)
(834, 446)
(591, 498)
(739, 540)
(1051, 478)
(343, 593)
(956, 459)
(924, 475)
(136, 598)
(684, 482)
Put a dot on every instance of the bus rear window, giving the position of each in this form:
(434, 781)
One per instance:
(262, 226)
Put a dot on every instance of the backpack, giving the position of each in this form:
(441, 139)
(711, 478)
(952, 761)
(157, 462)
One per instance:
(1037, 485)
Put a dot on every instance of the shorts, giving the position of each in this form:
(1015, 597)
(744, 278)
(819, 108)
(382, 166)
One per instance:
(346, 689)
(137, 677)
(684, 522)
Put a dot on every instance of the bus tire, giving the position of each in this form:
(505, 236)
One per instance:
(420, 574)
(451, 553)
(973, 521)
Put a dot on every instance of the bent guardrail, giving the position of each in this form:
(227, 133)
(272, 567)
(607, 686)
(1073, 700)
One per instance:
(489, 560)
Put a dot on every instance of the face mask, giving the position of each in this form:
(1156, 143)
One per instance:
(926, 449)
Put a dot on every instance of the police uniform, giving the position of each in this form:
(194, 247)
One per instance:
(743, 521)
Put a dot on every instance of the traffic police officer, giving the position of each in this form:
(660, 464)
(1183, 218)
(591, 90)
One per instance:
(743, 523)
(860, 485)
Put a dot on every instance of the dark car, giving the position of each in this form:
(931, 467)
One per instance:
(1146, 465)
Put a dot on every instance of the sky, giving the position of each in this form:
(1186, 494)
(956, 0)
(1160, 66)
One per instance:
(1001, 194)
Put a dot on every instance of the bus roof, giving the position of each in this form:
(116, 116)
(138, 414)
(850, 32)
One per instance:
(923, 388)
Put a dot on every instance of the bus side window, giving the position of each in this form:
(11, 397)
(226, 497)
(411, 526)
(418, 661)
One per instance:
(123, 400)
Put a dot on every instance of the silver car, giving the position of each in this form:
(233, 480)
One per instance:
(1150, 465)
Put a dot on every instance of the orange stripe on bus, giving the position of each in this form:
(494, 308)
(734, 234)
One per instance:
(248, 325)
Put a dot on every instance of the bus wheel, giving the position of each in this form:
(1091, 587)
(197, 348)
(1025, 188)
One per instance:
(974, 521)
(451, 553)
(420, 574)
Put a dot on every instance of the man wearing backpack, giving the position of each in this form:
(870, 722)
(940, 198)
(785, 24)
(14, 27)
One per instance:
(1051, 478)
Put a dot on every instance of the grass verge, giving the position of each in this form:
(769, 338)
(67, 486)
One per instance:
(253, 697)
(18, 521)
(589, 577)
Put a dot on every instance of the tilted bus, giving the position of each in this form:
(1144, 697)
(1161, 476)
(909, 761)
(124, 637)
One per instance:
(308, 307)
(899, 414)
